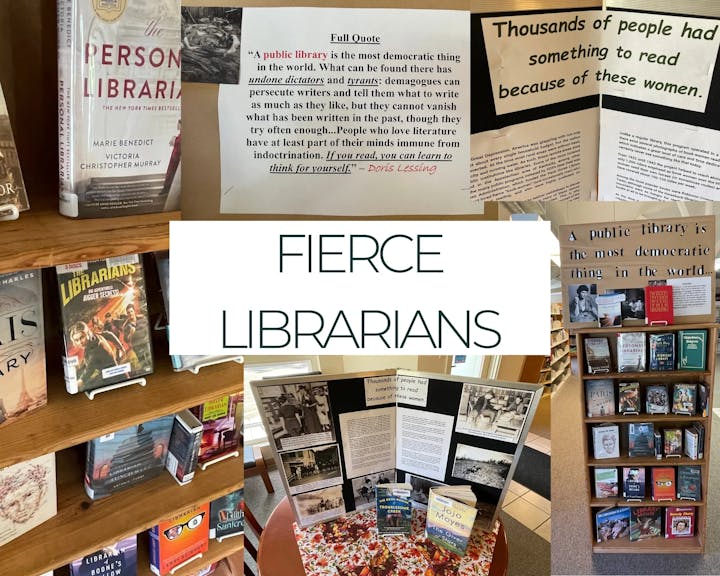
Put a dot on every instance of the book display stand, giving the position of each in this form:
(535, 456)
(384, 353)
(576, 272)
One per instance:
(186, 563)
(205, 465)
(9, 212)
(92, 393)
(221, 538)
(196, 369)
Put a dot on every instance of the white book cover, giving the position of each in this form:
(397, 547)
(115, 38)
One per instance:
(606, 441)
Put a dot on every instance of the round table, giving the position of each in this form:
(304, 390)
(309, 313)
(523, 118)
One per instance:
(278, 553)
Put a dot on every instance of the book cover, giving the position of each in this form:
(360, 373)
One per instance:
(659, 447)
(184, 447)
(599, 397)
(679, 522)
(662, 352)
(28, 496)
(684, 396)
(23, 382)
(702, 400)
(449, 520)
(692, 349)
(180, 538)
(633, 307)
(689, 483)
(663, 483)
(597, 354)
(629, 397)
(634, 482)
(606, 441)
(222, 426)
(641, 439)
(118, 559)
(659, 305)
(608, 305)
(226, 515)
(613, 524)
(127, 457)
(657, 399)
(106, 327)
(12, 187)
(119, 106)
(394, 508)
(645, 522)
(700, 428)
(631, 352)
(606, 482)
(672, 442)
(691, 442)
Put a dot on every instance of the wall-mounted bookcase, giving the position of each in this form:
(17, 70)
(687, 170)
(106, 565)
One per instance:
(556, 368)
(656, 545)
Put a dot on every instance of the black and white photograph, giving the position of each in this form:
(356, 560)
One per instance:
(420, 489)
(320, 505)
(364, 487)
(582, 304)
(211, 45)
(298, 415)
(481, 466)
(493, 411)
(312, 468)
(633, 308)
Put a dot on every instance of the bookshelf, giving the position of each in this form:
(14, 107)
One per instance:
(556, 367)
(657, 545)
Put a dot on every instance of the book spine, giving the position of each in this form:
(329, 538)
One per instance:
(89, 468)
(154, 534)
(67, 20)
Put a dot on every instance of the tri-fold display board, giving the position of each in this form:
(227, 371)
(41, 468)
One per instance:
(336, 437)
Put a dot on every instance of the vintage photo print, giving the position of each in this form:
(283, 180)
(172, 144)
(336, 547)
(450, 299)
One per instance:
(312, 468)
(320, 505)
(364, 487)
(581, 303)
(211, 44)
(493, 411)
(298, 415)
(420, 489)
(481, 466)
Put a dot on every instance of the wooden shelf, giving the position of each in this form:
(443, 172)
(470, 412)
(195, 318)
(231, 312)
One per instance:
(661, 418)
(644, 461)
(553, 345)
(605, 502)
(657, 545)
(83, 526)
(643, 328)
(657, 374)
(553, 362)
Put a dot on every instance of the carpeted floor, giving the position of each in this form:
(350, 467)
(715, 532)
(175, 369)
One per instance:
(533, 471)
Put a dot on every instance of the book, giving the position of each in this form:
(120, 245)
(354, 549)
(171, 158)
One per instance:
(662, 352)
(222, 426)
(23, 382)
(608, 305)
(599, 398)
(450, 517)
(226, 516)
(659, 305)
(672, 442)
(663, 483)
(684, 399)
(178, 539)
(656, 399)
(700, 428)
(645, 522)
(106, 327)
(394, 508)
(118, 106)
(692, 349)
(613, 524)
(28, 496)
(679, 522)
(127, 457)
(597, 354)
(658, 445)
(628, 397)
(689, 483)
(606, 482)
(184, 447)
(641, 439)
(13, 195)
(691, 443)
(633, 307)
(118, 559)
(606, 441)
(631, 352)
(702, 400)
(634, 482)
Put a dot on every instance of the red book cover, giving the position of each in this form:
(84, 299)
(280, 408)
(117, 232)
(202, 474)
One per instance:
(658, 305)
(679, 522)
(663, 484)
(179, 539)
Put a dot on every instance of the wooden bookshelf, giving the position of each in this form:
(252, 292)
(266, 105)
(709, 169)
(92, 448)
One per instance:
(555, 370)
(658, 545)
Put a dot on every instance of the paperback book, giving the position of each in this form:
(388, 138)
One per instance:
(606, 441)
(692, 349)
(641, 439)
(634, 482)
(179, 539)
(662, 352)
(597, 353)
(691, 442)
(600, 397)
(659, 305)
(656, 399)
(450, 517)
(184, 447)
(679, 522)
(226, 516)
(118, 559)
(13, 196)
(672, 442)
(394, 508)
(684, 396)
(606, 482)
(613, 524)
(608, 305)
(222, 426)
(629, 398)
(645, 522)
(663, 483)
(689, 483)
(633, 307)
(631, 352)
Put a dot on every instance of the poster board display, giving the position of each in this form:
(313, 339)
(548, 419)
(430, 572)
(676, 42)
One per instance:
(335, 437)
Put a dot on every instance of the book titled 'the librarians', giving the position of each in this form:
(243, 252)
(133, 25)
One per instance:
(119, 106)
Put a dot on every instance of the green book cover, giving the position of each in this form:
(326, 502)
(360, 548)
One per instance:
(692, 346)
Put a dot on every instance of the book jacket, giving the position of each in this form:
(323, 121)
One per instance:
(12, 187)
(180, 538)
(105, 322)
(118, 559)
(23, 383)
(226, 515)
(449, 522)
(394, 508)
(659, 305)
(118, 106)
(222, 425)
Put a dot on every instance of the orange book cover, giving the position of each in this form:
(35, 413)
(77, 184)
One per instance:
(663, 484)
(179, 539)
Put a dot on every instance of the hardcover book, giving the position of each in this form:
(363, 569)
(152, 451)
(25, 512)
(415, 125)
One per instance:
(684, 399)
(597, 353)
(118, 559)
(613, 524)
(634, 482)
(700, 429)
(606, 482)
(658, 445)
(28, 496)
(659, 305)
(119, 106)
(656, 399)
(606, 441)
(23, 383)
(692, 441)
(13, 196)
(672, 442)
(226, 516)
(629, 397)
(641, 439)
(692, 349)
(222, 425)
(179, 539)
(702, 400)
(662, 352)
(633, 307)
(450, 517)
(679, 522)
(600, 397)
(663, 483)
(184, 447)
(127, 457)
(631, 352)
(394, 508)
(105, 322)
(645, 522)
(689, 483)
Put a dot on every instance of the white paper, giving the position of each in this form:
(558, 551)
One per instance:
(368, 441)
(423, 440)
(691, 296)
(412, 390)
(380, 390)
(348, 111)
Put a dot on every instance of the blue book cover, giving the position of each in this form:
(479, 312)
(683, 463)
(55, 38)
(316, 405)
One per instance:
(662, 352)
(613, 524)
(394, 508)
(226, 515)
(119, 559)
